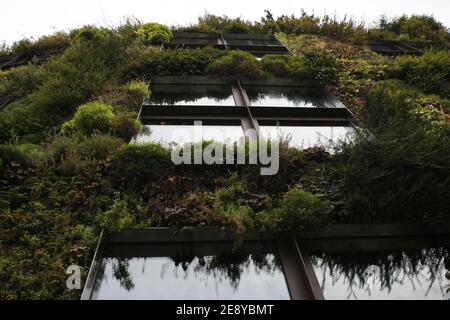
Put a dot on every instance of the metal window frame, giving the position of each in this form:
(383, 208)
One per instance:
(298, 272)
(394, 47)
(222, 41)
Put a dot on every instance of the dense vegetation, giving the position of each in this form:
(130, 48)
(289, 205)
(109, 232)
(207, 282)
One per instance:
(67, 170)
(414, 27)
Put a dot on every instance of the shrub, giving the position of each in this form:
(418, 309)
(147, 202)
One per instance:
(284, 66)
(116, 218)
(56, 40)
(72, 164)
(417, 27)
(20, 81)
(32, 151)
(89, 33)
(92, 117)
(429, 72)
(306, 23)
(378, 34)
(60, 146)
(10, 154)
(84, 70)
(138, 165)
(236, 64)
(299, 209)
(125, 126)
(237, 26)
(137, 89)
(399, 171)
(212, 23)
(321, 65)
(127, 97)
(99, 146)
(144, 63)
(154, 33)
(276, 65)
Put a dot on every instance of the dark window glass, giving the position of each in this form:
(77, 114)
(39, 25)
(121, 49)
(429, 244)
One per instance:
(191, 271)
(193, 41)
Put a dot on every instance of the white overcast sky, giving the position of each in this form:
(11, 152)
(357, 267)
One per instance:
(20, 18)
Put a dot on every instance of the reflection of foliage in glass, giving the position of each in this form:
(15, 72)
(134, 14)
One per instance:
(190, 94)
(231, 267)
(226, 266)
(295, 95)
(397, 267)
(120, 272)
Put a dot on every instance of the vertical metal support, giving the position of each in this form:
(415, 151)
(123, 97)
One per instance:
(240, 101)
(93, 271)
(246, 102)
(224, 41)
(300, 277)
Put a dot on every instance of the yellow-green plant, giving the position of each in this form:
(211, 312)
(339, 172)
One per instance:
(154, 33)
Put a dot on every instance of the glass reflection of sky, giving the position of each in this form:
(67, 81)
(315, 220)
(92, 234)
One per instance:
(307, 137)
(161, 278)
(181, 134)
(397, 276)
(287, 97)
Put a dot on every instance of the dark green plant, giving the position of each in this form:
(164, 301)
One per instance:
(117, 217)
(141, 164)
(400, 170)
(417, 27)
(236, 64)
(12, 154)
(213, 23)
(99, 146)
(285, 66)
(89, 33)
(322, 65)
(125, 126)
(83, 71)
(143, 63)
(429, 72)
(299, 210)
(59, 146)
